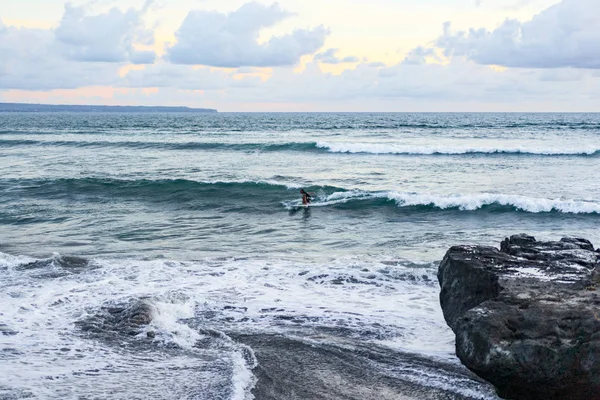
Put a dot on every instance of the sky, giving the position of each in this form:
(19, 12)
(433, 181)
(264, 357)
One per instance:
(304, 55)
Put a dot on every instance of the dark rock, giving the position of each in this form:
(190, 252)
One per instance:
(527, 317)
(57, 267)
(72, 262)
(582, 243)
(127, 319)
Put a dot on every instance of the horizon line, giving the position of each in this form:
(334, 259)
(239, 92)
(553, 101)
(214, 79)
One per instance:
(213, 110)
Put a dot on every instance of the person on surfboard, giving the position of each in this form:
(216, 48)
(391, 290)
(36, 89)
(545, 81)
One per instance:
(306, 198)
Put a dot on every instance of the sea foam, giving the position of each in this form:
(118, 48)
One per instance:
(386, 148)
(477, 201)
(467, 202)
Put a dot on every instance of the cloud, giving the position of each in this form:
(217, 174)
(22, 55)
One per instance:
(564, 35)
(329, 56)
(231, 40)
(82, 51)
(458, 85)
(29, 61)
(418, 56)
(166, 75)
(248, 70)
(39, 60)
(108, 37)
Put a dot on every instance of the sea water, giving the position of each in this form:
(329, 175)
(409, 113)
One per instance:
(197, 219)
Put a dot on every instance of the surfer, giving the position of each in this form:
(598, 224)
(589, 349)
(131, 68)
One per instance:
(306, 198)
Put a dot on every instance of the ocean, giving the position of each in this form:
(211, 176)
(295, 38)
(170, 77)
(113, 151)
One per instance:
(168, 256)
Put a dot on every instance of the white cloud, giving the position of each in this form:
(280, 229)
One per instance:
(29, 60)
(231, 40)
(83, 51)
(37, 60)
(419, 55)
(460, 83)
(329, 56)
(108, 37)
(566, 34)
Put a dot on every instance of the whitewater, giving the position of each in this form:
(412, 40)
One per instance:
(168, 256)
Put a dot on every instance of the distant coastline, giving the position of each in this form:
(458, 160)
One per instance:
(27, 107)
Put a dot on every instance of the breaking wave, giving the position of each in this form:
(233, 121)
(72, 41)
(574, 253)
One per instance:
(378, 148)
(469, 202)
(270, 195)
(315, 147)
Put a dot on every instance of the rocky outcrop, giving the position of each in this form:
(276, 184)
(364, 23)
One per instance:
(120, 319)
(527, 316)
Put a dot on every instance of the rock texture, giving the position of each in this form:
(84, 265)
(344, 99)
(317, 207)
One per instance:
(121, 319)
(527, 316)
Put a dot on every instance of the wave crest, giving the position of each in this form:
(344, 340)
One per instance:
(318, 147)
(380, 148)
(465, 202)
(473, 202)
(270, 193)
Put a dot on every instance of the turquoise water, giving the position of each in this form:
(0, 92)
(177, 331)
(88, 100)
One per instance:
(201, 212)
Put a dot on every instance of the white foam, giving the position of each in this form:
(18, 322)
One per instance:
(165, 320)
(476, 201)
(454, 384)
(389, 148)
(465, 202)
(10, 261)
(338, 293)
(336, 198)
(273, 182)
(242, 379)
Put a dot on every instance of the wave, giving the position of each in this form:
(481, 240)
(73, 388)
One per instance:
(324, 147)
(109, 186)
(79, 124)
(293, 146)
(469, 202)
(267, 196)
(446, 125)
(380, 148)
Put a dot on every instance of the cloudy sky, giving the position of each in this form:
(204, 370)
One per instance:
(304, 55)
